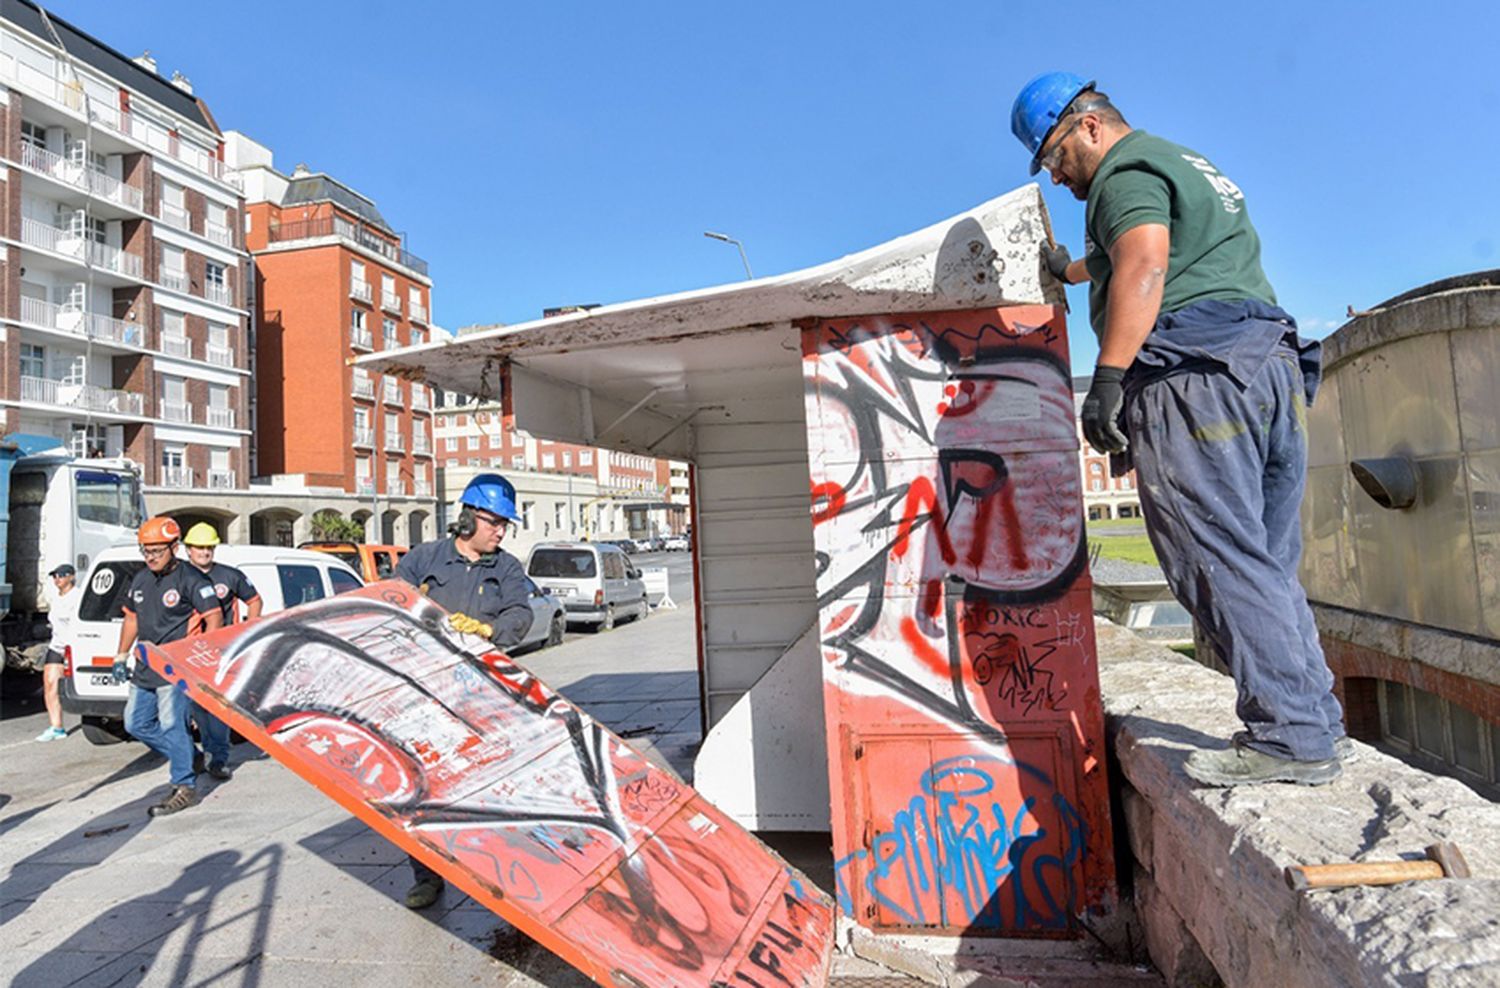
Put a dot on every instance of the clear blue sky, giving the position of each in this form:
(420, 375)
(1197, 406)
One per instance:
(553, 153)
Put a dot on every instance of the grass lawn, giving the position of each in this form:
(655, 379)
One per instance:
(1129, 548)
(1114, 523)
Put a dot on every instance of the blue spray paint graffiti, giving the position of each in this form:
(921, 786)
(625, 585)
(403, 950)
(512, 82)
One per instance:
(953, 852)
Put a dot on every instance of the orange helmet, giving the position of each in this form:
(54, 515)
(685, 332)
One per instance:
(157, 530)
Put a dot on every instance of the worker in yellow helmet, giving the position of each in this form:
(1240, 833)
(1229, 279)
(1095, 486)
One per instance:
(232, 587)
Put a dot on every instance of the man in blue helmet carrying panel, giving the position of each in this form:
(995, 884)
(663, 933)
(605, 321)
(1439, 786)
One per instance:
(1202, 385)
(484, 588)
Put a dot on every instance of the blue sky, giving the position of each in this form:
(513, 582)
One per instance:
(548, 154)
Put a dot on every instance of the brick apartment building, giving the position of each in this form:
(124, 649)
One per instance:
(123, 290)
(1104, 497)
(334, 281)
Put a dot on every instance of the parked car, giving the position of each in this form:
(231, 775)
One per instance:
(373, 562)
(596, 582)
(283, 577)
(675, 543)
(549, 620)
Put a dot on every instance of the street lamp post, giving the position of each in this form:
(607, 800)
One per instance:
(710, 234)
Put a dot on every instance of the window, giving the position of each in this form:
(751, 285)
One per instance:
(218, 335)
(357, 321)
(214, 277)
(414, 294)
(614, 566)
(1096, 485)
(362, 468)
(389, 330)
(384, 564)
(392, 475)
(549, 461)
(299, 584)
(361, 419)
(34, 134)
(104, 593)
(108, 498)
(450, 444)
(418, 336)
(558, 515)
(388, 284)
(343, 582)
(585, 457)
(493, 441)
(563, 563)
(392, 424)
(567, 458)
(173, 267)
(218, 215)
(518, 462)
(33, 360)
(471, 443)
(356, 271)
(526, 507)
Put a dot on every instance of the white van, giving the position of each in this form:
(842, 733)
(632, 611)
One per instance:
(596, 582)
(283, 577)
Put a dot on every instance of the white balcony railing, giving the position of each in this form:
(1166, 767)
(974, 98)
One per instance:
(48, 237)
(221, 480)
(218, 233)
(363, 387)
(220, 418)
(177, 476)
(395, 442)
(176, 346)
(175, 280)
(421, 445)
(362, 339)
(419, 313)
(364, 437)
(221, 294)
(390, 302)
(395, 488)
(218, 353)
(364, 485)
(89, 179)
(71, 320)
(390, 393)
(174, 214)
(423, 488)
(46, 391)
(176, 411)
(362, 291)
(419, 399)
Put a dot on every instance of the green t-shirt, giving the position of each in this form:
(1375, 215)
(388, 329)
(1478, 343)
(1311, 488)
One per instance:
(1215, 252)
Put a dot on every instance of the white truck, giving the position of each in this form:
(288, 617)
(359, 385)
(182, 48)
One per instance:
(55, 508)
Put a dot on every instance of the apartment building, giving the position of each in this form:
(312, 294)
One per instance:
(1104, 497)
(123, 288)
(336, 281)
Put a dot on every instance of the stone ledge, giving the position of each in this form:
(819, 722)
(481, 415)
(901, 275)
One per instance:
(1461, 654)
(1217, 856)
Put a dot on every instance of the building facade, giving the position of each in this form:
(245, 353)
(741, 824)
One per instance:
(123, 293)
(335, 281)
(1104, 497)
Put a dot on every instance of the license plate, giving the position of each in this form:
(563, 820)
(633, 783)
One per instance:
(97, 680)
(560, 591)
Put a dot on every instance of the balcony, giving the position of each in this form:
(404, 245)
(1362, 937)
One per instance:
(177, 281)
(220, 418)
(419, 313)
(79, 323)
(363, 387)
(361, 291)
(46, 391)
(421, 445)
(391, 392)
(89, 179)
(364, 437)
(419, 399)
(35, 233)
(218, 233)
(355, 233)
(176, 411)
(424, 488)
(218, 353)
(176, 476)
(222, 294)
(364, 485)
(395, 442)
(176, 346)
(174, 214)
(390, 302)
(221, 480)
(395, 488)
(362, 339)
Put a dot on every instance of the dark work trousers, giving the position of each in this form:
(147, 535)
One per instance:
(420, 872)
(1221, 470)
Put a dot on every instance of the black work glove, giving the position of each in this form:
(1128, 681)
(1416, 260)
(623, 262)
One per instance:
(1057, 259)
(1101, 411)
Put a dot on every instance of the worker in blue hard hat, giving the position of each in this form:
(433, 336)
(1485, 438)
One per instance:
(484, 589)
(1202, 385)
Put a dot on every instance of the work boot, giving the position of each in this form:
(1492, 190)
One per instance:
(1343, 746)
(1240, 766)
(197, 762)
(181, 798)
(220, 771)
(424, 893)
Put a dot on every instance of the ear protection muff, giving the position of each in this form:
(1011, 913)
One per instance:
(467, 523)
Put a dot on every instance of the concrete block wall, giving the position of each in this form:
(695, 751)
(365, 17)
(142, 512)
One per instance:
(1209, 863)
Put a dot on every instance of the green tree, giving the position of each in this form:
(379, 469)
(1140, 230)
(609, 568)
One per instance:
(330, 526)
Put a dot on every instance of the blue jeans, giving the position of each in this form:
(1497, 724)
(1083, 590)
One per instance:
(214, 734)
(158, 718)
(1221, 470)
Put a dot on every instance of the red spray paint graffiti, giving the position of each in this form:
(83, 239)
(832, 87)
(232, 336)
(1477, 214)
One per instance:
(466, 760)
(961, 695)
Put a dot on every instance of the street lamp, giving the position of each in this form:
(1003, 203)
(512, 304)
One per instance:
(710, 234)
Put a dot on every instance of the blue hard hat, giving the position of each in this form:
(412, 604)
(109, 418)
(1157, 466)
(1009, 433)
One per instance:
(493, 493)
(1041, 102)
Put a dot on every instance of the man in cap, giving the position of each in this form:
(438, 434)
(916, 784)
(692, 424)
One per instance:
(232, 587)
(62, 609)
(484, 588)
(1204, 383)
(166, 601)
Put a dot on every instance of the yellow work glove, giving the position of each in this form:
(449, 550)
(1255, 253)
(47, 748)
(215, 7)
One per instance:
(470, 626)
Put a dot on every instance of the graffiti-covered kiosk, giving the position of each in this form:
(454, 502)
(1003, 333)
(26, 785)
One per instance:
(895, 625)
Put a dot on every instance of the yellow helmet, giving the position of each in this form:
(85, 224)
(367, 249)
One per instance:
(201, 534)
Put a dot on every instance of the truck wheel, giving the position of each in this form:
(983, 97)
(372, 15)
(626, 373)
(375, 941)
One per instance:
(97, 730)
(609, 619)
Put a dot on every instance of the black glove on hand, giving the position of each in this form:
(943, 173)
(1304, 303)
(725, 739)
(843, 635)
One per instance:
(1057, 260)
(1101, 411)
